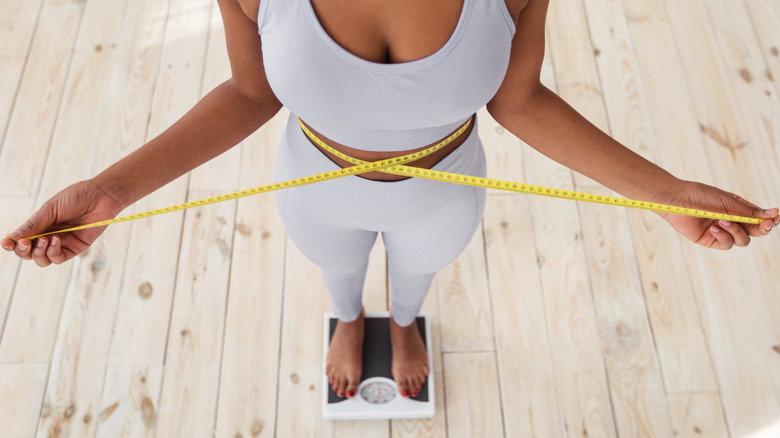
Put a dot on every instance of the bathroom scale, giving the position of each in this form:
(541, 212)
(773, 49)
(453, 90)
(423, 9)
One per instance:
(377, 397)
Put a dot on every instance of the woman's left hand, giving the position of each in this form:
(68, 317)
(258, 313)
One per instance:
(718, 234)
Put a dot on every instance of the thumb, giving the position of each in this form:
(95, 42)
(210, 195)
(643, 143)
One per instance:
(746, 208)
(36, 224)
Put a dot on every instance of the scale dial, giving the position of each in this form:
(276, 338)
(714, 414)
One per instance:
(378, 391)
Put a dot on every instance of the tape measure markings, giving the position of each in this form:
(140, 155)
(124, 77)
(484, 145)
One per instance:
(333, 174)
(395, 166)
(437, 175)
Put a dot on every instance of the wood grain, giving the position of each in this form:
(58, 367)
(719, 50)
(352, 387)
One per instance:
(697, 415)
(39, 96)
(129, 404)
(578, 365)
(22, 386)
(247, 397)
(464, 304)
(671, 304)
(528, 386)
(10, 76)
(17, 26)
(473, 407)
(560, 319)
(190, 386)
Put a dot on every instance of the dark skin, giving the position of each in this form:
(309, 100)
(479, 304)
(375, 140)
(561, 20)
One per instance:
(382, 32)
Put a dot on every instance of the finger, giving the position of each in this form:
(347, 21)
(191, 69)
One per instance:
(761, 229)
(54, 252)
(7, 244)
(722, 239)
(770, 219)
(738, 234)
(39, 252)
(23, 248)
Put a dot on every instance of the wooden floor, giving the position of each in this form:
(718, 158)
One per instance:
(561, 319)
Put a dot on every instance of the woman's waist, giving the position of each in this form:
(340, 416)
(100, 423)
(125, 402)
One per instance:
(458, 132)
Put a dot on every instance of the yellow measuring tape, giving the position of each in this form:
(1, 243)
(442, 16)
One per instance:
(396, 166)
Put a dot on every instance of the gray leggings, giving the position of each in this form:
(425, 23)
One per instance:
(425, 224)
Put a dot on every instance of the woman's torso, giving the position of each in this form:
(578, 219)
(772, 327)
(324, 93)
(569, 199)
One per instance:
(379, 79)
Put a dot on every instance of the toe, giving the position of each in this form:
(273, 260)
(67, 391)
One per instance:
(341, 387)
(403, 388)
(352, 385)
(414, 387)
(418, 384)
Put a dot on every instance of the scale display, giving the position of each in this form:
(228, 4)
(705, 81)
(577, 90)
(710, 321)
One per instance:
(377, 396)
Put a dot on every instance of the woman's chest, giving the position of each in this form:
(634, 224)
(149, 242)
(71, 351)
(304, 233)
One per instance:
(389, 32)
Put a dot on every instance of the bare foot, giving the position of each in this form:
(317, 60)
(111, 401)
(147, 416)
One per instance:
(344, 363)
(410, 358)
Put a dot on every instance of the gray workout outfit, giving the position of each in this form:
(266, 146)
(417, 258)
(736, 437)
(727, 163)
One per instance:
(425, 224)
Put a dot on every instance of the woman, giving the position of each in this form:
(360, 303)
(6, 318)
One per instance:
(376, 80)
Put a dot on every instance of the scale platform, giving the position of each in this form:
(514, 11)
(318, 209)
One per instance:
(377, 396)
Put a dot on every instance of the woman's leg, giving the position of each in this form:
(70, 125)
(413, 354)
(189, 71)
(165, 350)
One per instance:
(341, 252)
(414, 256)
(336, 245)
(419, 248)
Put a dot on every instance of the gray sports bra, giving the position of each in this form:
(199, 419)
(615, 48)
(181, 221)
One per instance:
(383, 107)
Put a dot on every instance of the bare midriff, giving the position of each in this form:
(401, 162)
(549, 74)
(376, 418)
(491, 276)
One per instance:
(424, 163)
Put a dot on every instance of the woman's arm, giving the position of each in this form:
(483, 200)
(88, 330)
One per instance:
(547, 123)
(219, 121)
(539, 117)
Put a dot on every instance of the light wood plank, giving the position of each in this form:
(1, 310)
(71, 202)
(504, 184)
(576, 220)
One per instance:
(300, 367)
(32, 326)
(128, 407)
(578, 366)
(76, 381)
(635, 383)
(765, 17)
(9, 264)
(145, 307)
(10, 77)
(464, 303)
(471, 384)
(247, 397)
(190, 382)
(749, 398)
(671, 303)
(575, 72)
(754, 93)
(736, 151)
(193, 359)
(697, 415)
(528, 395)
(22, 386)
(17, 25)
(32, 122)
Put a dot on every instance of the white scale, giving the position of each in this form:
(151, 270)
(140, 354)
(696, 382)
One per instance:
(377, 396)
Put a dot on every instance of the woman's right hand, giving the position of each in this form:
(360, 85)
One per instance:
(82, 203)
